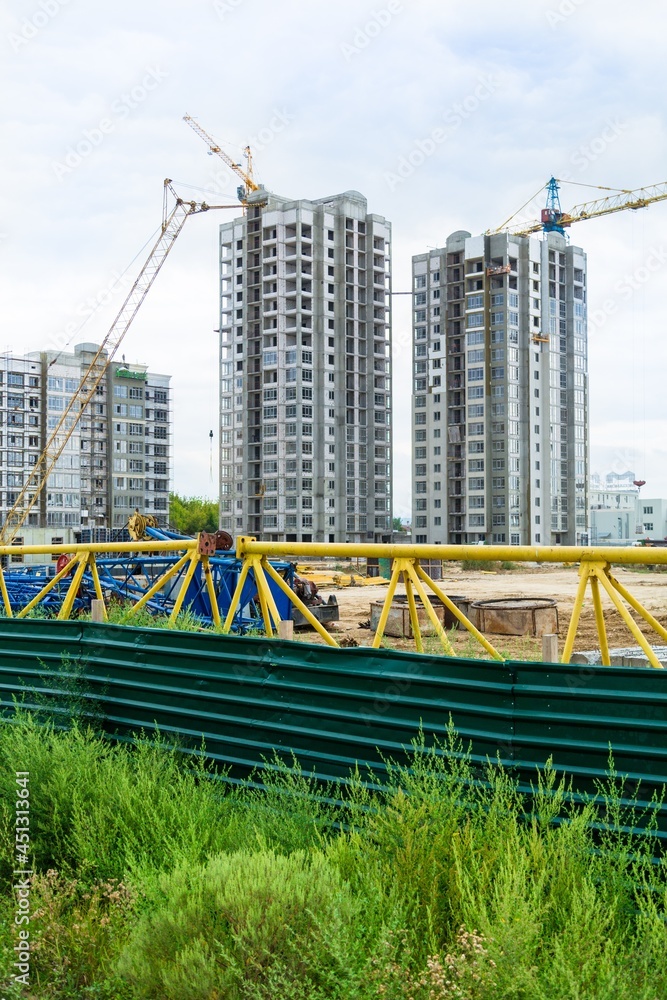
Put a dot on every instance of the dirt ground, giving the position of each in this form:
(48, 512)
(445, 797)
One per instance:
(558, 582)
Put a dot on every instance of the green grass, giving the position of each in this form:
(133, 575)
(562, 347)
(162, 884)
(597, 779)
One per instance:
(157, 880)
(487, 565)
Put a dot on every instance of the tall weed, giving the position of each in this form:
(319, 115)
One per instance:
(257, 925)
(439, 880)
(101, 809)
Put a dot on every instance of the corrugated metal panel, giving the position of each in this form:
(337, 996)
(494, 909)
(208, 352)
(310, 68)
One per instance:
(334, 708)
(576, 712)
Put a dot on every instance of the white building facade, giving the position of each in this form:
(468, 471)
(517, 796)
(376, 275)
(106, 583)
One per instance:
(118, 456)
(500, 392)
(305, 371)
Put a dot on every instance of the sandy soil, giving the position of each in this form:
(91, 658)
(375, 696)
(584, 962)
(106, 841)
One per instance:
(559, 583)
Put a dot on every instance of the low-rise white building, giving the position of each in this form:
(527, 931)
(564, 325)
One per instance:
(622, 517)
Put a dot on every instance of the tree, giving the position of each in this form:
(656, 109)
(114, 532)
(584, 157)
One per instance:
(397, 524)
(188, 515)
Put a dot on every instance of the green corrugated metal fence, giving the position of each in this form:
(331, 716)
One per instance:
(334, 708)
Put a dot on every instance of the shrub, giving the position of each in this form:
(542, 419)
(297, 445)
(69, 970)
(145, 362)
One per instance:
(73, 928)
(101, 809)
(247, 925)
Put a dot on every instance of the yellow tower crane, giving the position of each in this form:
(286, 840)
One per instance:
(172, 224)
(249, 186)
(553, 219)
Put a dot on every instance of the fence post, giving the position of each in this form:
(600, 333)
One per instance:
(550, 649)
(97, 611)
(286, 629)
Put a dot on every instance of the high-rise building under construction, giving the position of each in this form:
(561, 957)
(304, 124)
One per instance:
(500, 391)
(305, 371)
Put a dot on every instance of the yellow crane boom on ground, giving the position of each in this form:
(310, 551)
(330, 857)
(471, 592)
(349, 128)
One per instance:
(172, 224)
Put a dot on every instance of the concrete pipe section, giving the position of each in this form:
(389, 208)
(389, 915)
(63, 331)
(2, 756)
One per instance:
(398, 623)
(516, 616)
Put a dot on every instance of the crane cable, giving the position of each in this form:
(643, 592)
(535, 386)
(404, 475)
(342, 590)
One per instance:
(120, 277)
(643, 343)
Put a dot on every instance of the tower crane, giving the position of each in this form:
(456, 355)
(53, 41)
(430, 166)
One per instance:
(249, 186)
(172, 223)
(554, 219)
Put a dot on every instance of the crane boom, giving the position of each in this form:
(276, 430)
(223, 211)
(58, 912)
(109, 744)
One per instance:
(553, 218)
(172, 224)
(214, 147)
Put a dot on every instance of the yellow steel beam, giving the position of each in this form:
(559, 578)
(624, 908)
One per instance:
(253, 563)
(210, 590)
(386, 607)
(45, 590)
(639, 608)
(266, 599)
(584, 573)
(430, 610)
(628, 619)
(99, 548)
(160, 582)
(298, 603)
(645, 556)
(441, 595)
(96, 584)
(5, 595)
(68, 603)
(246, 545)
(414, 617)
(236, 596)
(185, 583)
(599, 620)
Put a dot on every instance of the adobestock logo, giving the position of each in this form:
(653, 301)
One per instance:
(364, 34)
(222, 180)
(31, 26)
(626, 287)
(278, 123)
(453, 118)
(589, 152)
(88, 307)
(93, 137)
(561, 13)
(225, 7)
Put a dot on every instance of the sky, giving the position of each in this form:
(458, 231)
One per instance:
(445, 116)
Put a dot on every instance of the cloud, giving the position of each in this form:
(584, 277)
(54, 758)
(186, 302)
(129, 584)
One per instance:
(353, 120)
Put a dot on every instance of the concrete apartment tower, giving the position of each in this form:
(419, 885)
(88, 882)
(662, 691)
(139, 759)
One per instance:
(118, 457)
(305, 371)
(21, 427)
(500, 392)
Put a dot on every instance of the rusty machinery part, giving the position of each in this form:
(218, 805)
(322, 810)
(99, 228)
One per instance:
(223, 541)
(211, 542)
(63, 561)
(306, 590)
(137, 524)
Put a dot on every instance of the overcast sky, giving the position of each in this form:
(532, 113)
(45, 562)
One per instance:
(331, 97)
